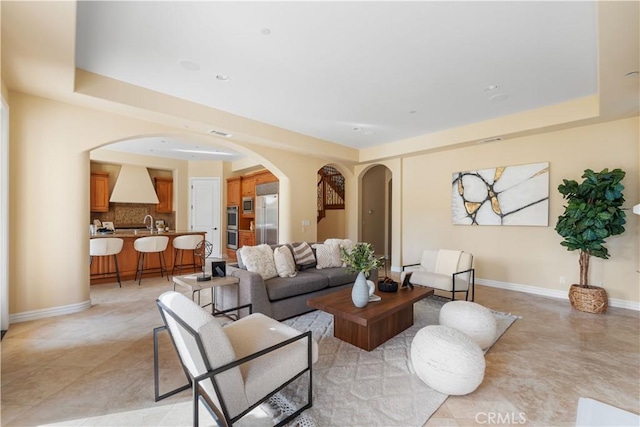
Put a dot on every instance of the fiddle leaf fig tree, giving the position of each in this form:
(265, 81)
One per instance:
(593, 213)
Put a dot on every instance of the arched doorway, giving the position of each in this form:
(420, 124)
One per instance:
(331, 204)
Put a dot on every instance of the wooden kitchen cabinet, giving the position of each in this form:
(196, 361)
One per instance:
(164, 190)
(248, 186)
(234, 191)
(264, 178)
(99, 192)
(246, 238)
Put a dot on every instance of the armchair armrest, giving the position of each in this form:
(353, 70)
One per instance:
(411, 267)
(200, 394)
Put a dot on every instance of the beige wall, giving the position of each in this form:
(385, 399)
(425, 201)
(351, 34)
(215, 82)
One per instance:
(51, 142)
(332, 225)
(527, 255)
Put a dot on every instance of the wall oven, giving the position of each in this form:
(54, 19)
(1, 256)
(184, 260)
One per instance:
(232, 239)
(232, 217)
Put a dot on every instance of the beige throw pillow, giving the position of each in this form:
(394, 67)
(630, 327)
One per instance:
(285, 266)
(259, 259)
(328, 256)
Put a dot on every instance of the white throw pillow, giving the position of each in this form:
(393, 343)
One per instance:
(328, 256)
(346, 244)
(285, 266)
(259, 259)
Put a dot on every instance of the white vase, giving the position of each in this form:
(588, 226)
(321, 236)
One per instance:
(360, 291)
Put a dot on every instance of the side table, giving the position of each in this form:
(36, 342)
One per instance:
(190, 281)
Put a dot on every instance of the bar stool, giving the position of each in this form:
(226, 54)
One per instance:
(181, 244)
(107, 246)
(145, 245)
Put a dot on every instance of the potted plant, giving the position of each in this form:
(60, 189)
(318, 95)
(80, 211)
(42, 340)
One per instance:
(593, 213)
(360, 259)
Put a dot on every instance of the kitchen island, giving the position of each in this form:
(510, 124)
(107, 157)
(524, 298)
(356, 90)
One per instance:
(127, 258)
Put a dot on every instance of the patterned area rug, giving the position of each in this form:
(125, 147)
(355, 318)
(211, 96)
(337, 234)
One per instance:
(353, 387)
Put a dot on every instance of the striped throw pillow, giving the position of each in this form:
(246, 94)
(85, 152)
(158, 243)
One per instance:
(303, 255)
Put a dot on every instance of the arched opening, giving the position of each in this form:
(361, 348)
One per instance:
(331, 204)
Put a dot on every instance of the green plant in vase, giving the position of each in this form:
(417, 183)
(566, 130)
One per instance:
(592, 214)
(360, 259)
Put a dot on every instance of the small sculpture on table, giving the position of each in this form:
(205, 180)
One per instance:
(202, 250)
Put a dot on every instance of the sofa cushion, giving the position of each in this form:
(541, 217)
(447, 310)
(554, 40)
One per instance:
(305, 282)
(327, 256)
(303, 255)
(439, 281)
(338, 276)
(259, 259)
(285, 266)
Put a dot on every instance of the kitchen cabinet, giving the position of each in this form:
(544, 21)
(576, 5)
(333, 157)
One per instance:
(248, 186)
(99, 192)
(264, 178)
(164, 191)
(246, 238)
(234, 191)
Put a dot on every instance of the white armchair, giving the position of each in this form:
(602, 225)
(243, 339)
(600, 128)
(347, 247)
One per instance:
(233, 368)
(443, 269)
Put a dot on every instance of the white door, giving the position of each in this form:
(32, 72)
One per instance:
(205, 210)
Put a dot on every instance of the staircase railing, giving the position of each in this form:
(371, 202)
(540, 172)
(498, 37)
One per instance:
(330, 190)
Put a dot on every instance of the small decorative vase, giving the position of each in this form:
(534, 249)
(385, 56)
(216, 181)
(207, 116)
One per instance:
(360, 291)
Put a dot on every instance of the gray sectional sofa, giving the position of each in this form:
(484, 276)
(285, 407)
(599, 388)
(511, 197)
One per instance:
(284, 297)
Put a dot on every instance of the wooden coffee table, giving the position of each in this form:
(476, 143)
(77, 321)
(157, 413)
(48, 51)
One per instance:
(370, 326)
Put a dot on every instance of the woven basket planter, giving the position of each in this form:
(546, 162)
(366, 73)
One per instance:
(590, 300)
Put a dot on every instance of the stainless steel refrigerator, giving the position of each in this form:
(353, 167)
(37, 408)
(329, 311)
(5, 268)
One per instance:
(266, 226)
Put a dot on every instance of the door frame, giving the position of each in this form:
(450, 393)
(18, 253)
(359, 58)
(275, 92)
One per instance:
(4, 216)
(217, 252)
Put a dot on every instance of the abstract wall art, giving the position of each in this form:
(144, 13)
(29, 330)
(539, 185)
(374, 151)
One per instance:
(505, 195)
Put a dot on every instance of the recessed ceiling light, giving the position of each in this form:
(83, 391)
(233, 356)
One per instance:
(490, 88)
(265, 31)
(632, 74)
(189, 65)
(220, 133)
(357, 129)
(498, 97)
(163, 141)
(412, 112)
(222, 77)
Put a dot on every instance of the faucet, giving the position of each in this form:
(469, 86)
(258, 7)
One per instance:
(144, 221)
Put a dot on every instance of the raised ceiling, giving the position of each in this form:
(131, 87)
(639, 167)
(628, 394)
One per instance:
(358, 74)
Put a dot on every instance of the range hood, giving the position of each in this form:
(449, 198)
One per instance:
(134, 186)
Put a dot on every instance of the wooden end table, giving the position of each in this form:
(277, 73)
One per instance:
(370, 326)
(190, 281)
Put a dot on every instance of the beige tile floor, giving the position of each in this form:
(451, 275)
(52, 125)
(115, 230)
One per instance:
(95, 367)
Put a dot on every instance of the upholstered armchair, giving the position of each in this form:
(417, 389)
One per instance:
(443, 269)
(233, 368)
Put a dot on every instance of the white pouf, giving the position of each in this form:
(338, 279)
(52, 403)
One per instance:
(447, 360)
(473, 319)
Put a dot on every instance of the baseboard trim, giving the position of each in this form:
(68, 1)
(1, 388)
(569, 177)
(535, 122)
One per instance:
(26, 316)
(552, 293)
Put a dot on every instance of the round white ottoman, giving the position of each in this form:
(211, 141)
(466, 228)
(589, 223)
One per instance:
(473, 319)
(447, 360)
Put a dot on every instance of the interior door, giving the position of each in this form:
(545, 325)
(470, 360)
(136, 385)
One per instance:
(205, 210)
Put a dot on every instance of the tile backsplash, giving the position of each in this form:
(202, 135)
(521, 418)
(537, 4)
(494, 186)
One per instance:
(132, 214)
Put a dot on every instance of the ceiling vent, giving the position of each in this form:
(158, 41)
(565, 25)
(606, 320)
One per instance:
(134, 185)
(220, 133)
(486, 141)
